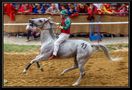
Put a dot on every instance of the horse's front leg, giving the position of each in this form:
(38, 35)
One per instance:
(37, 59)
(40, 67)
(27, 67)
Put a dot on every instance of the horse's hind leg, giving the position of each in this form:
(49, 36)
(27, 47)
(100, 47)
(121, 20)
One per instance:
(81, 63)
(71, 68)
(37, 59)
(40, 67)
(80, 77)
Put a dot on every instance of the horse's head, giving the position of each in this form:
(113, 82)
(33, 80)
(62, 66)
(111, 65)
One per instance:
(38, 22)
(42, 23)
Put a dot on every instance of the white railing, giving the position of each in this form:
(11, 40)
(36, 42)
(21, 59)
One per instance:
(5, 24)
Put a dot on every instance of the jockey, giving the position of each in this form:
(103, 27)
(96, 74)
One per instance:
(65, 31)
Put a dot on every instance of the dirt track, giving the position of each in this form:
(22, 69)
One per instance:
(99, 71)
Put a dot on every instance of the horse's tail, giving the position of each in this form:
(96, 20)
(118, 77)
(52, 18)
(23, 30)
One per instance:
(106, 52)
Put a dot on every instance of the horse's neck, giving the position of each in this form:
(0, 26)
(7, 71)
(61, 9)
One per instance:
(45, 36)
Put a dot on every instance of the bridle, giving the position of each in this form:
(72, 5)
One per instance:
(46, 29)
(44, 24)
(33, 24)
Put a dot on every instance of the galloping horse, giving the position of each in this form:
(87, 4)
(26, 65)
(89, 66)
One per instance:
(79, 49)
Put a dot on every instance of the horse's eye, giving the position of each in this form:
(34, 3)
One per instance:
(40, 21)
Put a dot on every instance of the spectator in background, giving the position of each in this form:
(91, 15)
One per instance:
(44, 7)
(75, 5)
(122, 10)
(98, 11)
(17, 5)
(68, 6)
(114, 9)
(32, 32)
(10, 10)
(48, 5)
(37, 9)
(99, 7)
(106, 8)
(72, 12)
(63, 7)
(91, 10)
(25, 8)
(57, 5)
(94, 34)
(81, 8)
(52, 10)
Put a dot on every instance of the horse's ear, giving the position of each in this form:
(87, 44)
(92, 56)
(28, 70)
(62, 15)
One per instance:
(30, 20)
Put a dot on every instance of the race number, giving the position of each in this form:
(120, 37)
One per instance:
(84, 45)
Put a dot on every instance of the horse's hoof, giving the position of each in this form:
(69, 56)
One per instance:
(42, 69)
(75, 84)
(61, 74)
(24, 71)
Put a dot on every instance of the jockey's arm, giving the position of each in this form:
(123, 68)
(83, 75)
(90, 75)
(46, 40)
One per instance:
(55, 23)
(67, 24)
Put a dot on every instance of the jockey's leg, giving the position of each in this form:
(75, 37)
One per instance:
(61, 39)
(56, 47)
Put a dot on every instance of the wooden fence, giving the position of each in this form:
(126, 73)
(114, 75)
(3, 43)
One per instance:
(104, 28)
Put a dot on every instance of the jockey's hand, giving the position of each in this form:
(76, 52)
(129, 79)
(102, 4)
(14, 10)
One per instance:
(60, 27)
(55, 23)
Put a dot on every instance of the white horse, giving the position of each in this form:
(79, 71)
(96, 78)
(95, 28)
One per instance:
(79, 49)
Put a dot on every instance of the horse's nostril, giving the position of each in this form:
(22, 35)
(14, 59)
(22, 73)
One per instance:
(29, 20)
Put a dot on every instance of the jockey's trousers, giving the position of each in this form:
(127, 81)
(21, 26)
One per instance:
(57, 43)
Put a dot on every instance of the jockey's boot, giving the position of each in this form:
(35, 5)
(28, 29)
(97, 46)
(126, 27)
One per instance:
(52, 57)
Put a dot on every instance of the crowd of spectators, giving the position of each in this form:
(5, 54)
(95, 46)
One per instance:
(74, 9)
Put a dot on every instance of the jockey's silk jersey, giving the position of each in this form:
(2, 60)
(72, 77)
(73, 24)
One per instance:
(66, 23)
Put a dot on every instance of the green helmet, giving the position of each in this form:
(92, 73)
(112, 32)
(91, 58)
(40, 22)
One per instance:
(64, 12)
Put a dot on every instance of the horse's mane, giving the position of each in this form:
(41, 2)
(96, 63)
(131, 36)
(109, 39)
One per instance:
(51, 29)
